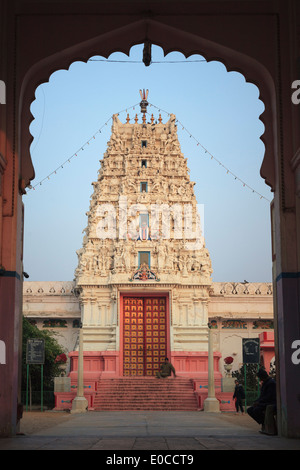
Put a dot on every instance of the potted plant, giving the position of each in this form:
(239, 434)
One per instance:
(61, 359)
(228, 365)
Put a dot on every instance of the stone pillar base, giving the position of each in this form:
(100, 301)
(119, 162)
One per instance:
(228, 384)
(211, 405)
(79, 405)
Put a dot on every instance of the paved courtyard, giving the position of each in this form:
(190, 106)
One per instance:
(142, 431)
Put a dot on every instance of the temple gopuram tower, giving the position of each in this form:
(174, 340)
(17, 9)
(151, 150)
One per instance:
(144, 274)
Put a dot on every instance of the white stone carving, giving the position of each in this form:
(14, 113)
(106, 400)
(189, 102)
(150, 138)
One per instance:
(147, 153)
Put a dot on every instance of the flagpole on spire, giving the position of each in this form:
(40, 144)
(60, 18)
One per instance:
(144, 103)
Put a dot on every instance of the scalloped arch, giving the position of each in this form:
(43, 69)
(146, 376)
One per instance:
(169, 39)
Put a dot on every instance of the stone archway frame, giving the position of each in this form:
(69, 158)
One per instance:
(256, 39)
(170, 39)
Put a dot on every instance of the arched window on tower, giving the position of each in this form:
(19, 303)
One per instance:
(144, 187)
(144, 258)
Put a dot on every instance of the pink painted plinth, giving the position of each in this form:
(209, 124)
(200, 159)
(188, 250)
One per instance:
(225, 399)
(267, 348)
(96, 365)
(106, 364)
(195, 364)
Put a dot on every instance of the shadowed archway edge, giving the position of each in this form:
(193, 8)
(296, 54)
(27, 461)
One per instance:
(170, 39)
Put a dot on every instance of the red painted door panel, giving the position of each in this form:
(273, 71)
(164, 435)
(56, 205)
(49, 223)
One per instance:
(144, 335)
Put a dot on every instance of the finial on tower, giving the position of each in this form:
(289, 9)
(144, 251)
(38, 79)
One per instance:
(144, 103)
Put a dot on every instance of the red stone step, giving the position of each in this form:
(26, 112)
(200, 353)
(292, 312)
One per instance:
(145, 393)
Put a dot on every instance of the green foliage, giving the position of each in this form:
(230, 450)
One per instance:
(52, 350)
(251, 379)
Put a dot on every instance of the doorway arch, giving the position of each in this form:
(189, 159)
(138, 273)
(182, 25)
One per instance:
(169, 39)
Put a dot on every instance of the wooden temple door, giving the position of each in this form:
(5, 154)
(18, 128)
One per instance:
(144, 335)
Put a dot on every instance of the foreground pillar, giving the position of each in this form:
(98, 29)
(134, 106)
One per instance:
(287, 319)
(211, 404)
(80, 403)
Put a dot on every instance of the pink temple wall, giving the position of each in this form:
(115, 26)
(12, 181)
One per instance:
(106, 364)
(267, 348)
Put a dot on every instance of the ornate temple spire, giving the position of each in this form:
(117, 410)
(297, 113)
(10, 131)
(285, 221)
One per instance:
(144, 186)
(143, 236)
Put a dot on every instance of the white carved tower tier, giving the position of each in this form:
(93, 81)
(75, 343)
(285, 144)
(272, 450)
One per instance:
(144, 236)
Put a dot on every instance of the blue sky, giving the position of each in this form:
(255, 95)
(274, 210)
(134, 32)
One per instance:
(219, 109)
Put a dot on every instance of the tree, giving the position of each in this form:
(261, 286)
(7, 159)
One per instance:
(52, 350)
(251, 378)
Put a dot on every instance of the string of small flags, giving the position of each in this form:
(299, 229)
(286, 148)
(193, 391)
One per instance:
(228, 171)
(80, 149)
(188, 61)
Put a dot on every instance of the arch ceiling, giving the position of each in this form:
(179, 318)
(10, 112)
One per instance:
(169, 39)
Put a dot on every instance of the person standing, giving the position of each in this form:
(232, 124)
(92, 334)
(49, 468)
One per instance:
(239, 395)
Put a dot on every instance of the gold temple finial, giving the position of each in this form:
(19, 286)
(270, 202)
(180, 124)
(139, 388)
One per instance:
(144, 103)
(128, 118)
(136, 118)
(160, 119)
(152, 118)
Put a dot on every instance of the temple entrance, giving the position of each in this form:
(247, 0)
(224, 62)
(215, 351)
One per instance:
(144, 335)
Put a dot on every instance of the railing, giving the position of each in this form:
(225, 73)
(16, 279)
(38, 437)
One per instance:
(251, 397)
(48, 400)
